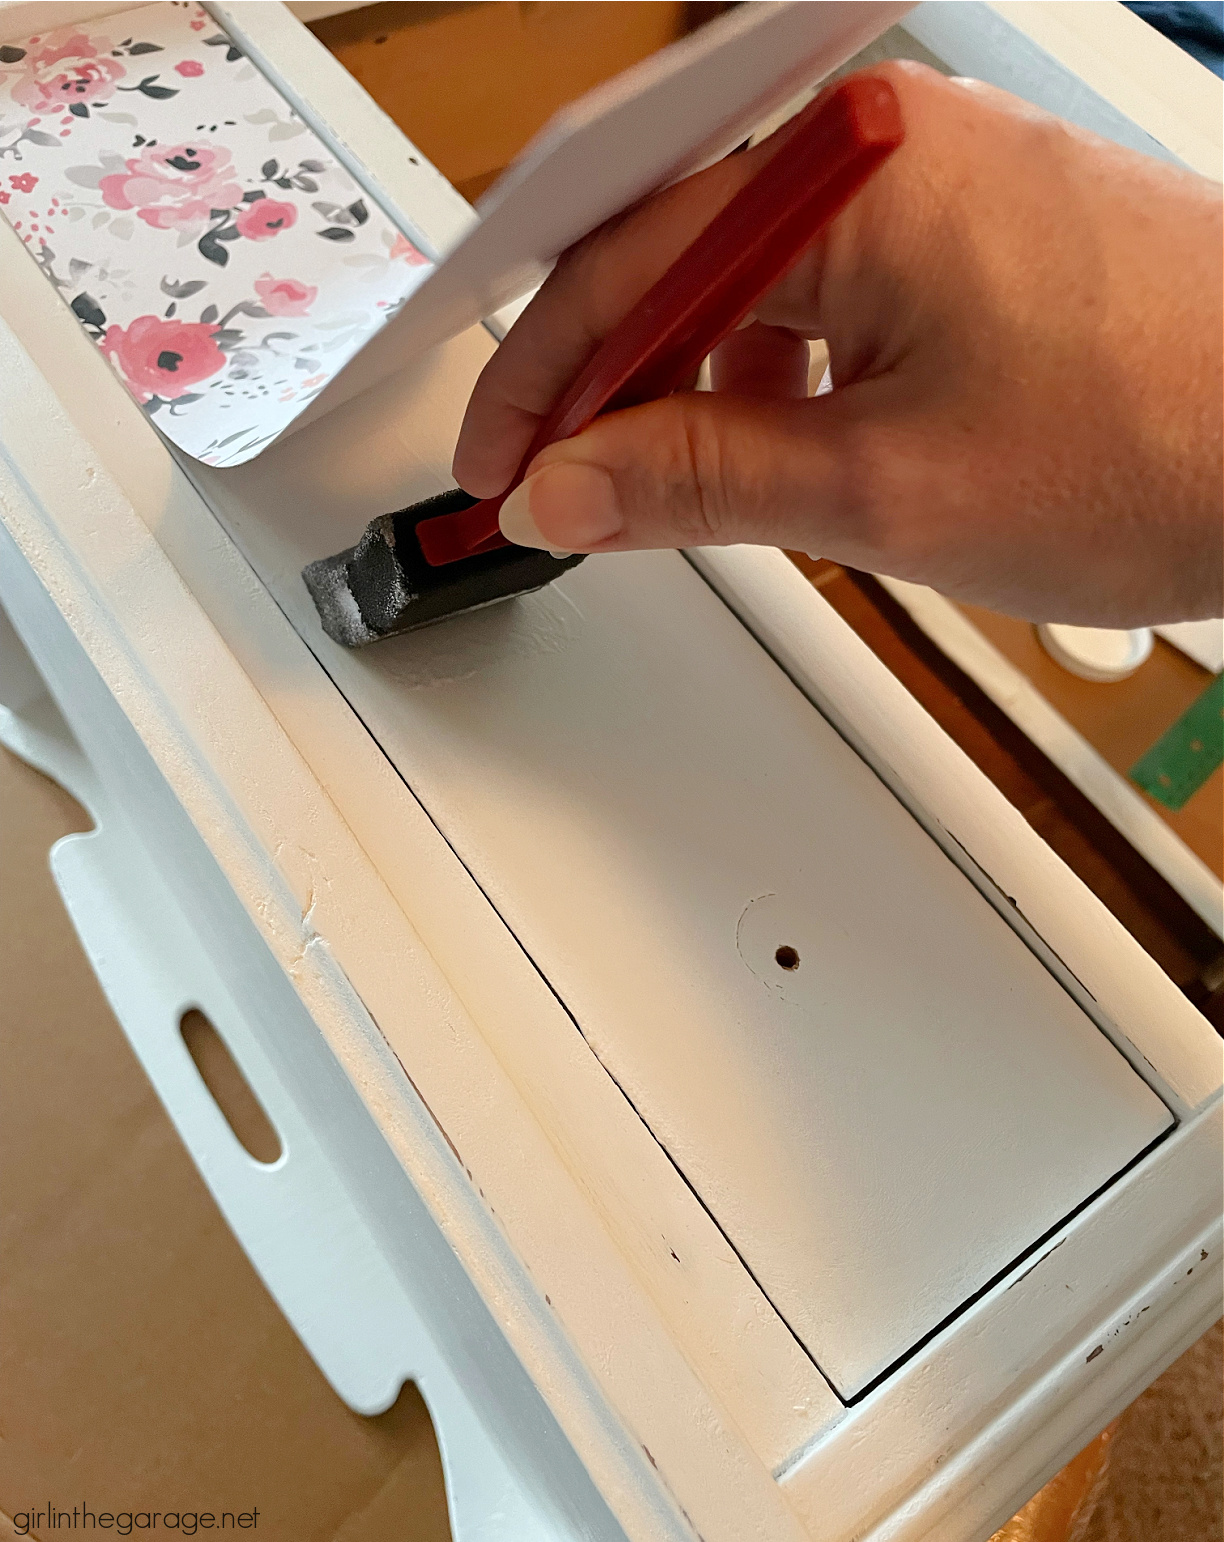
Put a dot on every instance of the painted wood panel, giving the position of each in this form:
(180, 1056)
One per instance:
(955, 1436)
(658, 815)
(970, 1424)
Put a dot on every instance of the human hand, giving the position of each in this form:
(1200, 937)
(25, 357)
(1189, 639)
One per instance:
(1024, 330)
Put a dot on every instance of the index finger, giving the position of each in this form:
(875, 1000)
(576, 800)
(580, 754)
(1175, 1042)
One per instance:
(593, 286)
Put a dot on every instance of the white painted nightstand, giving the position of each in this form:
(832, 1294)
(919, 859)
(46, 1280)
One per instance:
(690, 1070)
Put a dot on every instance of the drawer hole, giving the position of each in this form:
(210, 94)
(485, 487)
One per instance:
(787, 958)
(230, 1090)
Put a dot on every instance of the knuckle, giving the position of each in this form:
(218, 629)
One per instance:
(668, 464)
(699, 496)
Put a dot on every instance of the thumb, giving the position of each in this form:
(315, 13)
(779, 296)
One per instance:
(703, 469)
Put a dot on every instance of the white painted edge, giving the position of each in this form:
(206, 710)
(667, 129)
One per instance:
(1105, 788)
(975, 1492)
(140, 916)
(1121, 1292)
(1202, 641)
(1093, 63)
(316, 10)
(1158, 85)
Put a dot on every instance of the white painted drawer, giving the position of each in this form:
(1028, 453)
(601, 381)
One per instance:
(527, 873)
(654, 809)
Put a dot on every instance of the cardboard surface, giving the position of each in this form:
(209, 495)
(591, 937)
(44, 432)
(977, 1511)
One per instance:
(143, 1366)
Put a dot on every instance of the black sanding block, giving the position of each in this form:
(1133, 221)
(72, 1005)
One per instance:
(384, 585)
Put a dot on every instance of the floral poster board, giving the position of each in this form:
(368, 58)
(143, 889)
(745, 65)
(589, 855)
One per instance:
(216, 252)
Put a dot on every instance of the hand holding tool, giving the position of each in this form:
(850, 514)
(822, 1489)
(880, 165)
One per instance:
(448, 554)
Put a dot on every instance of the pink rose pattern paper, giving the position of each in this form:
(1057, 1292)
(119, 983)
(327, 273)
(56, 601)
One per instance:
(219, 256)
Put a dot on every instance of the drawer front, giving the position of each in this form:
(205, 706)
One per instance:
(875, 1088)
(579, 822)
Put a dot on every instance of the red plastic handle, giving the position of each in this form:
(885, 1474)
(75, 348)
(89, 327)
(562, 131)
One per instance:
(823, 158)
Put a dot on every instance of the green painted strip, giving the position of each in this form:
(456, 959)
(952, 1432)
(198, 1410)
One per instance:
(1176, 766)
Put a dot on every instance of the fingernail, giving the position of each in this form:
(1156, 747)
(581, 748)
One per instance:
(565, 507)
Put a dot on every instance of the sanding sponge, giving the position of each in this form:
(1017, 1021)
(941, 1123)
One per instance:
(384, 585)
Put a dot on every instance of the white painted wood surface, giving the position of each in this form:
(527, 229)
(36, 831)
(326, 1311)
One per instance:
(1144, 75)
(208, 737)
(1012, 1380)
(644, 1347)
(653, 809)
(1091, 61)
(359, 1320)
(616, 1291)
